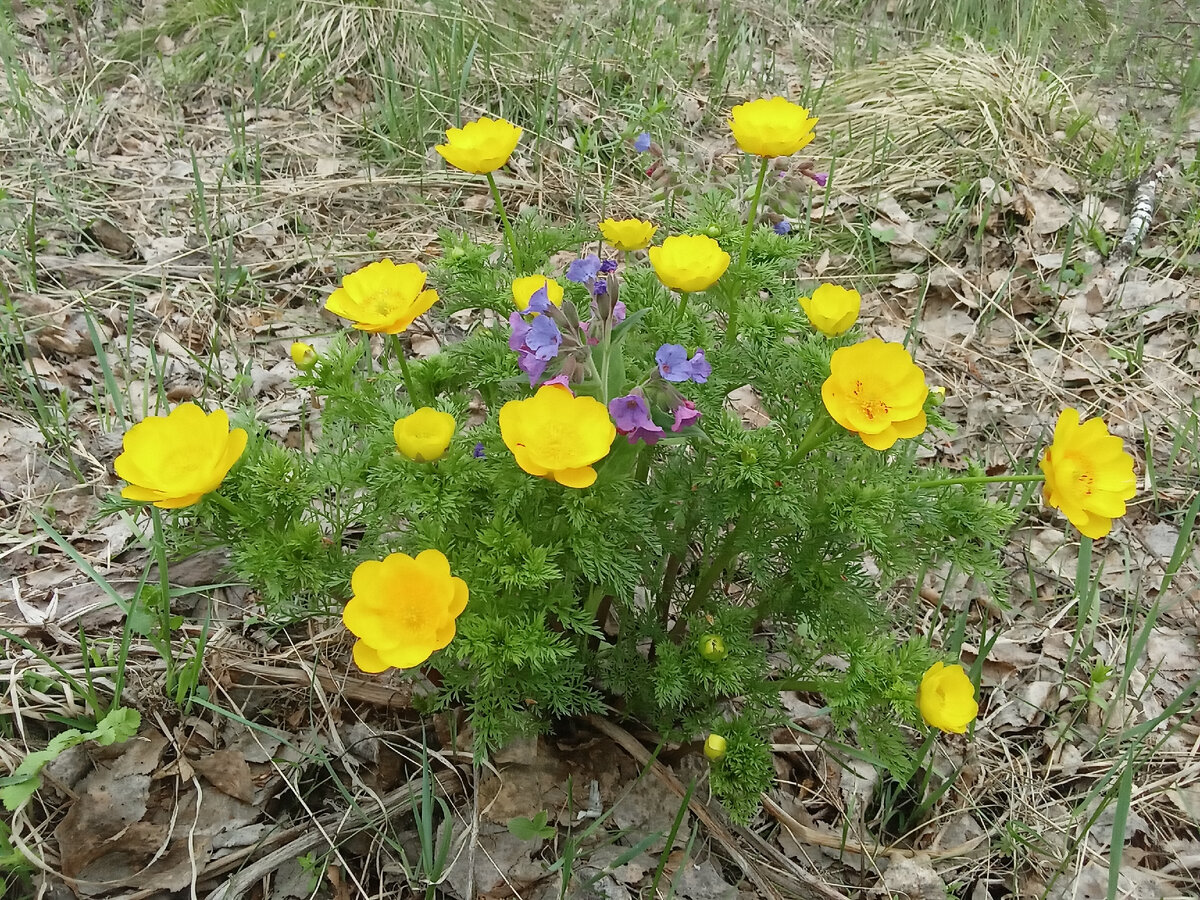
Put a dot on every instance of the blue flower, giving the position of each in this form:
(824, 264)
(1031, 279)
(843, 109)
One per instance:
(674, 365)
(480, 453)
(641, 143)
(539, 302)
(783, 226)
(608, 266)
(543, 338)
(581, 271)
(535, 343)
(672, 362)
(599, 286)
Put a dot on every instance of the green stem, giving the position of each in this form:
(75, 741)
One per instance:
(226, 503)
(731, 327)
(819, 430)
(979, 479)
(509, 237)
(404, 373)
(762, 175)
(803, 685)
(164, 600)
(683, 302)
(723, 558)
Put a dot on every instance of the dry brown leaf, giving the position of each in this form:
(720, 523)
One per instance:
(228, 772)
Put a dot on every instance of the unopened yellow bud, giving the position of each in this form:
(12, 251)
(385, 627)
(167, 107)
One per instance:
(714, 747)
(303, 355)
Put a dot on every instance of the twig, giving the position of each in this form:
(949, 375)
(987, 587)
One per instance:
(399, 697)
(804, 834)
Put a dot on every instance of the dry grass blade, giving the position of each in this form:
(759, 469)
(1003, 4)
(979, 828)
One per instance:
(336, 825)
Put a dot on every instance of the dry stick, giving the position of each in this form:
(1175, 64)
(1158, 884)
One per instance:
(336, 825)
(699, 808)
(802, 833)
(366, 692)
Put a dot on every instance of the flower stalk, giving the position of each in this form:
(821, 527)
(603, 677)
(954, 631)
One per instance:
(980, 479)
(731, 325)
(509, 237)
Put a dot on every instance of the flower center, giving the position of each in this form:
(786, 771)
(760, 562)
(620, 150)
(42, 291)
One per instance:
(872, 407)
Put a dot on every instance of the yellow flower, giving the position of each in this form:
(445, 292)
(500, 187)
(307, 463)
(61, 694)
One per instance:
(689, 262)
(557, 435)
(832, 309)
(303, 355)
(715, 746)
(946, 698)
(481, 146)
(403, 609)
(628, 234)
(424, 435)
(382, 297)
(525, 287)
(1089, 476)
(174, 460)
(771, 127)
(877, 391)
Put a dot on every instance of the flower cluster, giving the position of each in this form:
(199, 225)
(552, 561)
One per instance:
(591, 378)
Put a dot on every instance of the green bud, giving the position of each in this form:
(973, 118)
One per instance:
(714, 747)
(749, 456)
(454, 254)
(713, 231)
(937, 396)
(712, 648)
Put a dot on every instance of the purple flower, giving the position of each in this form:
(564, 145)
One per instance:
(641, 143)
(528, 363)
(535, 343)
(685, 414)
(480, 453)
(783, 226)
(520, 329)
(821, 178)
(618, 313)
(672, 362)
(561, 379)
(599, 286)
(584, 270)
(674, 365)
(608, 266)
(632, 418)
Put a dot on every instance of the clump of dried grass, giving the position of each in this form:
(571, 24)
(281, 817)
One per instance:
(939, 115)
